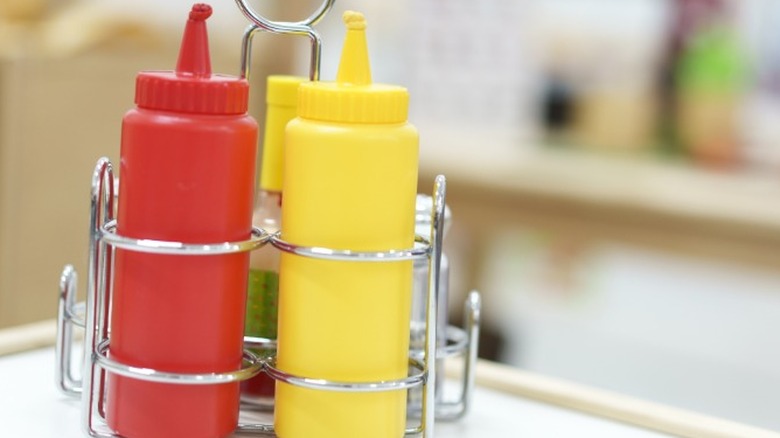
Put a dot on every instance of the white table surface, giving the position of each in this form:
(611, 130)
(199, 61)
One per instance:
(31, 406)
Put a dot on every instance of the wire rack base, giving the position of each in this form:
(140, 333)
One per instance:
(93, 315)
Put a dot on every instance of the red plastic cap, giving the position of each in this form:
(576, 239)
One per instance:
(192, 88)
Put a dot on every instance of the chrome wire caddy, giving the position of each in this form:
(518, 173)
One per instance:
(93, 316)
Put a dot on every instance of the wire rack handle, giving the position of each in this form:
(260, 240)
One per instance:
(304, 27)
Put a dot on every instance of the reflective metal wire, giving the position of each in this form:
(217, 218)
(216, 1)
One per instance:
(304, 27)
(95, 319)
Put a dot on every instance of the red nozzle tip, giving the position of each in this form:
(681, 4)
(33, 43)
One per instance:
(200, 12)
(194, 59)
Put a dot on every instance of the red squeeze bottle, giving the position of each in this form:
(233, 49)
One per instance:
(186, 174)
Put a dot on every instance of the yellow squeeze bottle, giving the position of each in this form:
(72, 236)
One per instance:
(350, 181)
(263, 287)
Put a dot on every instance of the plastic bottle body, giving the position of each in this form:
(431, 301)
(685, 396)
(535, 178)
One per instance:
(263, 291)
(188, 178)
(346, 186)
(419, 303)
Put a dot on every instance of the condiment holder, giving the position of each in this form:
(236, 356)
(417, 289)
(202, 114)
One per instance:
(93, 315)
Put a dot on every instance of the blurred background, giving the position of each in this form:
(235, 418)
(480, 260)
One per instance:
(613, 168)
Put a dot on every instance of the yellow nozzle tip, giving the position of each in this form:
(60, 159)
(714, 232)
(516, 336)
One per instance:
(354, 20)
(354, 67)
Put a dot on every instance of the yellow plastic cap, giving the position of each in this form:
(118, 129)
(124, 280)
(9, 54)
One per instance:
(353, 98)
(282, 90)
(281, 102)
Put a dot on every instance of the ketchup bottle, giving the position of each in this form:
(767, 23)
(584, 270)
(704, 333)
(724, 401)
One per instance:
(186, 174)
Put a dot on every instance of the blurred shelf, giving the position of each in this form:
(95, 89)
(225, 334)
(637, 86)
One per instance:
(737, 214)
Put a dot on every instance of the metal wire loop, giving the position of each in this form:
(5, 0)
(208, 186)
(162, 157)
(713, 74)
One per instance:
(272, 26)
(411, 381)
(304, 27)
(258, 342)
(254, 367)
(457, 344)
(421, 250)
(66, 319)
(109, 236)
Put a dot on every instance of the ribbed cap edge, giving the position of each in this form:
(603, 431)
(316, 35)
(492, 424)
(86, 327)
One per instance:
(332, 102)
(166, 91)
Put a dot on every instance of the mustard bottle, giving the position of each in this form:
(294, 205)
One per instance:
(350, 182)
(262, 292)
